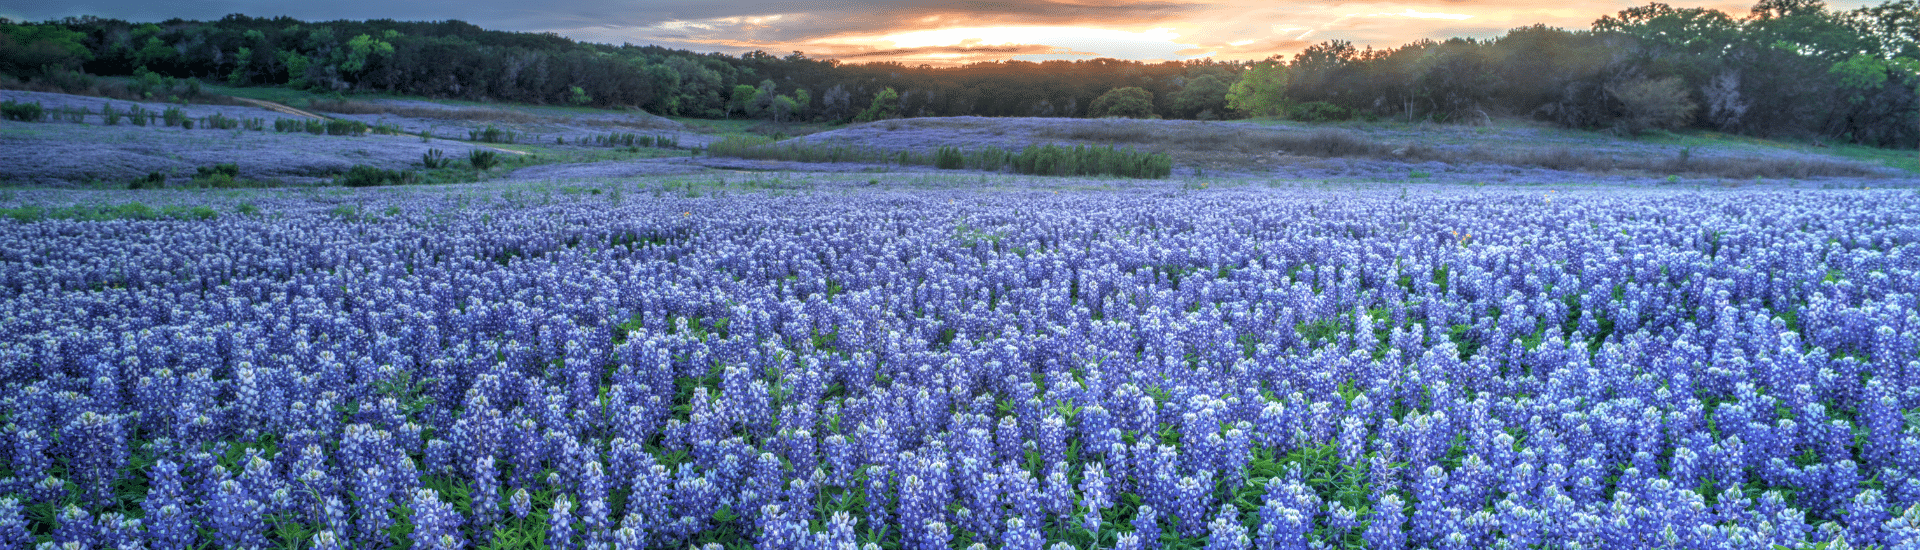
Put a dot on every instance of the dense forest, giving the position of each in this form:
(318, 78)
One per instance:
(1789, 68)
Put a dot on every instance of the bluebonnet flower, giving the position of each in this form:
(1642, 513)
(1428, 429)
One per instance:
(166, 510)
(436, 525)
(560, 524)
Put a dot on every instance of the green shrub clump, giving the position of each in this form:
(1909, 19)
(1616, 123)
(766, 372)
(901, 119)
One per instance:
(483, 159)
(153, 180)
(368, 176)
(491, 135)
(22, 111)
(434, 159)
(1320, 111)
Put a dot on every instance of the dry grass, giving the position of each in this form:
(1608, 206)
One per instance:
(471, 114)
(1216, 143)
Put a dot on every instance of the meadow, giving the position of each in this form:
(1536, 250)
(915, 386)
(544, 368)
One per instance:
(959, 362)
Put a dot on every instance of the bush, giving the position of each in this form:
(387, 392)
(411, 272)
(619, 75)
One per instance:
(218, 121)
(368, 176)
(153, 180)
(108, 115)
(138, 115)
(1130, 102)
(175, 117)
(949, 158)
(1320, 111)
(483, 159)
(1653, 104)
(22, 111)
(228, 169)
(491, 134)
(433, 159)
(344, 127)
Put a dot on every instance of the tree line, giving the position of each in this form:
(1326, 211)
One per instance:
(1788, 68)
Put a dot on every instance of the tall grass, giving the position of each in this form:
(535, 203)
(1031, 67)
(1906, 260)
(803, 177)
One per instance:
(620, 139)
(23, 111)
(1045, 160)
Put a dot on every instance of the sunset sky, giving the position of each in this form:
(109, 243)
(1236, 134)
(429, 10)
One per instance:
(937, 32)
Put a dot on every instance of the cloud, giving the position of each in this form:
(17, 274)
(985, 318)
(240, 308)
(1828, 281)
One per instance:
(932, 31)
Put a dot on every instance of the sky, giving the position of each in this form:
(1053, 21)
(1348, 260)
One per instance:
(936, 32)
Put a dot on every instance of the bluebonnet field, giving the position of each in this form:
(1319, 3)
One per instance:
(1224, 369)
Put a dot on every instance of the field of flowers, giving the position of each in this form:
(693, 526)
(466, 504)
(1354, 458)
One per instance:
(1155, 369)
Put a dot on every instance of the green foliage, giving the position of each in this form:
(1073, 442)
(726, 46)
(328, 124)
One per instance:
(492, 134)
(28, 48)
(1319, 111)
(1261, 91)
(434, 159)
(578, 96)
(218, 121)
(886, 104)
(1130, 102)
(1083, 160)
(483, 159)
(153, 180)
(128, 211)
(368, 176)
(138, 115)
(175, 117)
(1204, 97)
(344, 127)
(228, 169)
(618, 139)
(22, 111)
(949, 158)
(1046, 160)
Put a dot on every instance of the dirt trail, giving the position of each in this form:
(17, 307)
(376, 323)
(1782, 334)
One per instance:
(283, 109)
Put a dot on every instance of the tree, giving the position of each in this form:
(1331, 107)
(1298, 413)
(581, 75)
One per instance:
(1129, 102)
(781, 107)
(742, 99)
(1262, 91)
(1650, 104)
(886, 104)
(1204, 97)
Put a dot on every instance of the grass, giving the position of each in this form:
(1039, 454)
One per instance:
(128, 211)
(1211, 140)
(1045, 160)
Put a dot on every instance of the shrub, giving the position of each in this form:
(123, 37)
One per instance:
(109, 116)
(387, 129)
(344, 127)
(1653, 104)
(483, 159)
(138, 115)
(219, 121)
(315, 126)
(1320, 111)
(228, 169)
(368, 176)
(153, 180)
(175, 117)
(949, 158)
(433, 159)
(22, 111)
(75, 114)
(491, 134)
(1130, 102)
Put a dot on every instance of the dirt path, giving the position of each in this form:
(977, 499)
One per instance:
(283, 109)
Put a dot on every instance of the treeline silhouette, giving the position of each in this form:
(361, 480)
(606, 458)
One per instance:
(1788, 68)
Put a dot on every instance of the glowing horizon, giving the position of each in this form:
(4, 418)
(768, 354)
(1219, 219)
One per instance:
(943, 32)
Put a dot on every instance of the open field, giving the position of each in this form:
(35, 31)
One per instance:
(959, 360)
(551, 143)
